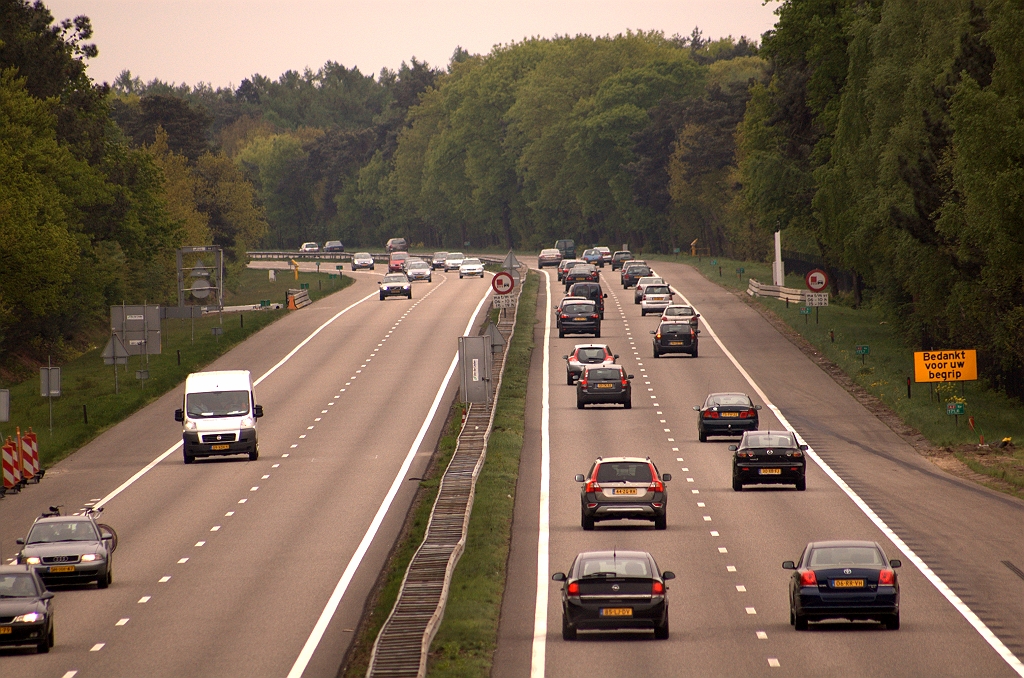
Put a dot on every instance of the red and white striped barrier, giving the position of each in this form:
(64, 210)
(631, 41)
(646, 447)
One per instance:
(29, 463)
(34, 447)
(12, 475)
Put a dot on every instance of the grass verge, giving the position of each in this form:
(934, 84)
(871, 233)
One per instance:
(883, 372)
(89, 404)
(465, 643)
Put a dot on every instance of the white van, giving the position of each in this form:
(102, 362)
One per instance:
(218, 415)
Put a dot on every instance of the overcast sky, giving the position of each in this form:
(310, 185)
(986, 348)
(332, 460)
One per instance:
(223, 41)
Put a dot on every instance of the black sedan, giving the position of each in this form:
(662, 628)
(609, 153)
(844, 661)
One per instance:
(632, 271)
(580, 273)
(726, 414)
(675, 337)
(604, 384)
(623, 488)
(581, 317)
(26, 610)
(769, 458)
(844, 580)
(612, 590)
(395, 285)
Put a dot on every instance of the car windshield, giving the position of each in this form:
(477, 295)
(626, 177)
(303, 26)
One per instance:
(69, 530)
(396, 256)
(656, 289)
(418, 264)
(604, 374)
(590, 355)
(363, 255)
(731, 399)
(470, 262)
(578, 308)
(440, 255)
(679, 310)
(840, 556)
(624, 472)
(17, 585)
(637, 270)
(217, 404)
(768, 440)
(615, 567)
(397, 278)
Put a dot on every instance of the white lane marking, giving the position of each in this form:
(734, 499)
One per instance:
(695, 491)
(293, 447)
(122, 621)
(182, 561)
(761, 635)
(275, 466)
(751, 610)
(741, 588)
(773, 662)
(227, 515)
(707, 519)
(164, 580)
(253, 489)
(540, 614)
(304, 435)
(264, 477)
(700, 504)
(70, 674)
(689, 480)
(981, 627)
(353, 564)
(97, 647)
(144, 599)
(284, 455)
(200, 543)
(145, 469)
(730, 568)
(714, 533)
(241, 501)
(722, 549)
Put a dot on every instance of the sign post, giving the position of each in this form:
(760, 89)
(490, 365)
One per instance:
(862, 351)
(956, 409)
(49, 386)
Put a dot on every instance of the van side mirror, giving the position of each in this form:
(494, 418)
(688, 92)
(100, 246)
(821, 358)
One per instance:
(179, 415)
(895, 562)
(580, 478)
(696, 315)
(665, 477)
(257, 411)
(732, 448)
(668, 574)
(558, 576)
(697, 332)
(788, 565)
(19, 541)
(803, 447)
(696, 408)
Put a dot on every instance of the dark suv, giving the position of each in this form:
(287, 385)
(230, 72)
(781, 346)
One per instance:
(567, 248)
(604, 384)
(592, 291)
(623, 488)
(579, 317)
(675, 337)
(633, 271)
(619, 258)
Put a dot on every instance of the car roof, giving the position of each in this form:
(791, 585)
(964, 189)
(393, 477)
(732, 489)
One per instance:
(573, 297)
(601, 460)
(616, 553)
(589, 284)
(841, 543)
(724, 393)
(219, 380)
(361, 254)
(64, 519)
(579, 346)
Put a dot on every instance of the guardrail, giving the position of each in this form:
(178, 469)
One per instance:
(403, 643)
(381, 257)
(756, 289)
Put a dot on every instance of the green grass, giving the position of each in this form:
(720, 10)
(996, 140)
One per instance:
(390, 581)
(465, 643)
(253, 285)
(88, 383)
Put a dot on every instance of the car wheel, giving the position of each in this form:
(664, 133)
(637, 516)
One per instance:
(561, 334)
(353, 268)
(792, 618)
(597, 335)
(800, 622)
(187, 458)
(254, 455)
(602, 315)
(107, 577)
(568, 379)
(628, 404)
(371, 268)
(661, 632)
(382, 297)
(586, 523)
(46, 643)
(579, 404)
(801, 484)
(568, 632)
(736, 484)
(410, 294)
(892, 622)
(635, 301)
(460, 276)
(656, 353)
(661, 523)
(701, 436)
(642, 313)
(430, 278)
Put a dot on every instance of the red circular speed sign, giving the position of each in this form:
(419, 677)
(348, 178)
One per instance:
(503, 282)
(816, 280)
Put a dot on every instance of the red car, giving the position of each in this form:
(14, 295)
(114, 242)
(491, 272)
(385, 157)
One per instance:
(396, 262)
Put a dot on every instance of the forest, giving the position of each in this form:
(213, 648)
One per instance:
(884, 138)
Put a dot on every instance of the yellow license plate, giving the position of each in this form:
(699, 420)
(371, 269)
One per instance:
(730, 414)
(218, 448)
(5, 629)
(770, 471)
(616, 612)
(624, 490)
(675, 343)
(848, 583)
(62, 568)
(579, 319)
(606, 385)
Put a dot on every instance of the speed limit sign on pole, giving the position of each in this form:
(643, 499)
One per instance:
(816, 280)
(502, 282)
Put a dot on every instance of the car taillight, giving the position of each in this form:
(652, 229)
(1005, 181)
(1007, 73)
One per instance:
(743, 455)
(583, 382)
(658, 336)
(711, 415)
(657, 588)
(886, 578)
(625, 382)
(798, 453)
(748, 414)
(657, 486)
(574, 589)
(565, 317)
(593, 486)
(593, 316)
(808, 578)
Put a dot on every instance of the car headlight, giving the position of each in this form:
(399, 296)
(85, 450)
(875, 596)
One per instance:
(248, 422)
(29, 617)
(33, 560)
(91, 557)
(190, 425)
(405, 287)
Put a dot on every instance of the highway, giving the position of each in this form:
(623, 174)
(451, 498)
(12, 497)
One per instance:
(729, 610)
(235, 568)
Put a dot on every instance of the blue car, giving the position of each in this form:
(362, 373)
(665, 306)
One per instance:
(594, 257)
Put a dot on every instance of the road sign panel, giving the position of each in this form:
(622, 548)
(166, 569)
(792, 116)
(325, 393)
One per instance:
(955, 408)
(937, 366)
(503, 283)
(503, 301)
(805, 310)
(816, 280)
(816, 298)
(862, 349)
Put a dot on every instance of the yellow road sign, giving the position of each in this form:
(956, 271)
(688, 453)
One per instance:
(955, 365)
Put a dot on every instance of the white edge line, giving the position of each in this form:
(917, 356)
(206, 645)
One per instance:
(954, 600)
(145, 469)
(353, 564)
(540, 615)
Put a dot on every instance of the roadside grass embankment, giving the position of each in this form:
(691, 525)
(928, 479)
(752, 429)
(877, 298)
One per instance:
(883, 373)
(89, 404)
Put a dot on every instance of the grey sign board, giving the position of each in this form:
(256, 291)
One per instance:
(49, 382)
(114, 353)
(475, 369)
(137, 327)
(5, 405)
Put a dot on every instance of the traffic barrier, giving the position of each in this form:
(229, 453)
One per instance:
(31, 447)
(12, 478)
(297, 299)
(756, 289)
(25, 455)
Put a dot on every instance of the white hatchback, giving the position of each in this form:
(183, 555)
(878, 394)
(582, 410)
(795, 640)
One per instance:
(656, 299)
(471, 267)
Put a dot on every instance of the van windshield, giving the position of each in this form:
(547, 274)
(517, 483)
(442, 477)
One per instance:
(217, 404)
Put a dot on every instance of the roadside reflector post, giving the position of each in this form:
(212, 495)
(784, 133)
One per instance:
(908, 388)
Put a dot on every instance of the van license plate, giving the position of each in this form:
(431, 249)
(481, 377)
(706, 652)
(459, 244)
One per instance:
(218, 448)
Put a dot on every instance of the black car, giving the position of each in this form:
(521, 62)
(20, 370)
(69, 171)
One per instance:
(611, 590)
(602, 384)
(395, 285)
(69, 550)
(580, 273)
(26, 609)
(437, 261)
(623, 488)
(565, 265)
(396, 245)
(333, 246)
(619, 258)
(632, 272)
(726, 414)
(580, 317)
(592, 291)
(844, 580)
(769, 458)
(675, 337)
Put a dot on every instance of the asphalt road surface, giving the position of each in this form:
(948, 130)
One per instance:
(225, 567)
(729, 611)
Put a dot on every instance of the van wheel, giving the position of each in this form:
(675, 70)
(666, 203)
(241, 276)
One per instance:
(561, 334)
(187, 458)
(254, 455)
(628, 404)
